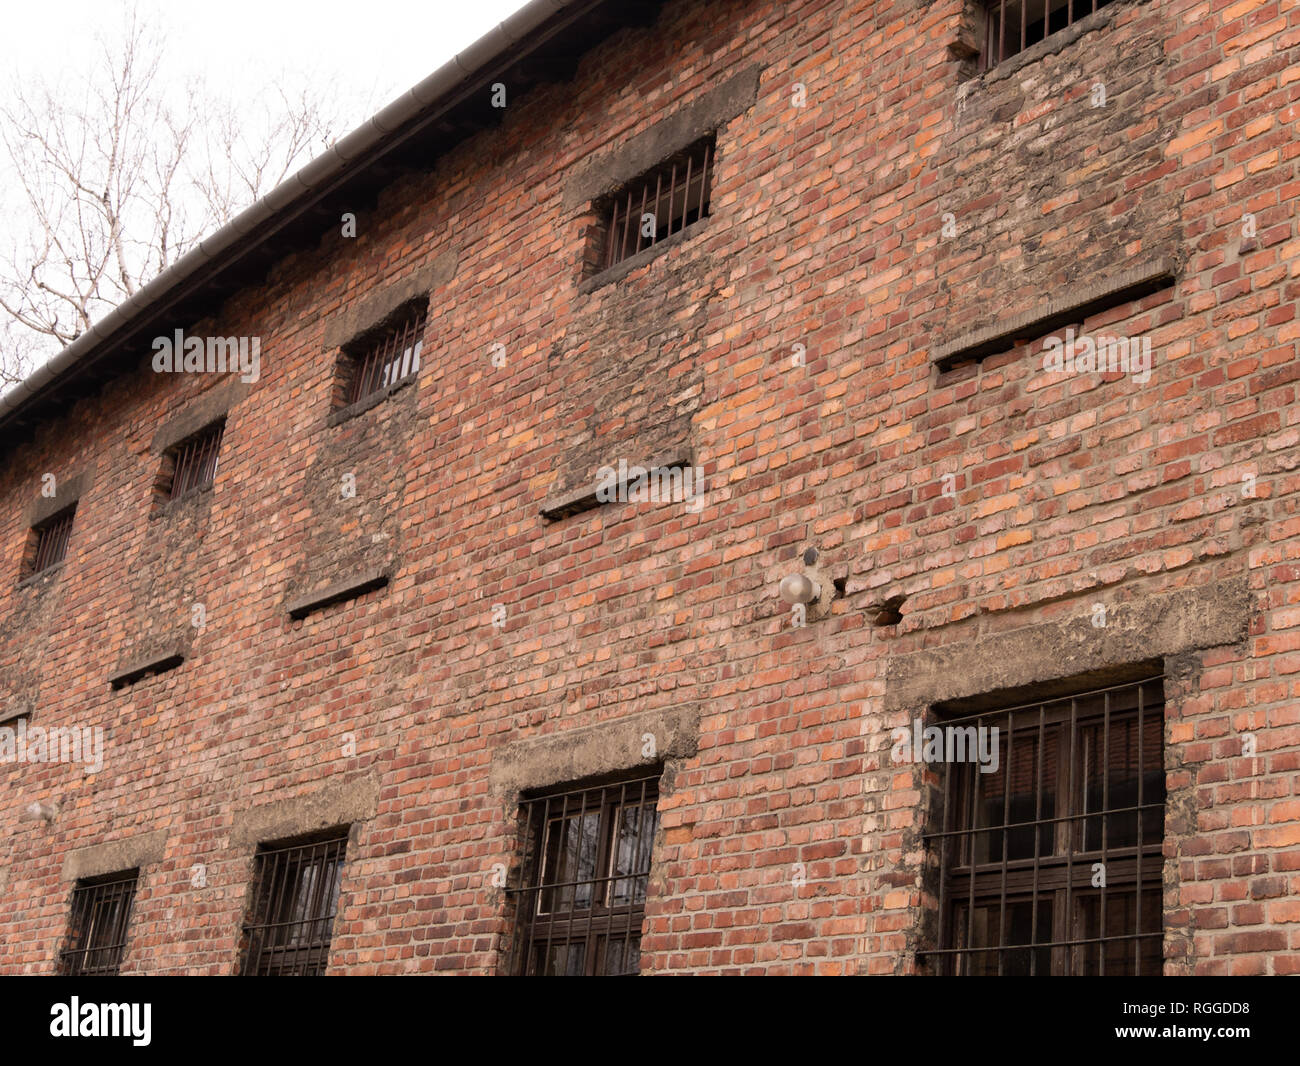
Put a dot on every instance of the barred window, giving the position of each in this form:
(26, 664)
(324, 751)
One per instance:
(52, 538)
(295, 900)
(388, 355)
(659, 203)
(101, 912)
(585, 875)
(1011, 26)
(1051, 864)
(194, 462)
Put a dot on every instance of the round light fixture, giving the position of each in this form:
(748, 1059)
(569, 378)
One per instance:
(799, 588)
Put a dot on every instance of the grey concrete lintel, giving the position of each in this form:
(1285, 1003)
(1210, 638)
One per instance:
(609, 747)
(602, 173)
(345, 589)
(1074, 306)
(584, 498)
(116, 856)
(167, 657)
(1141, 629)
(336, 804)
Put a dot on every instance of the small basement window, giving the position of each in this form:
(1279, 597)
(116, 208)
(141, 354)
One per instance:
(1011, 26)
(52, 538)
(661, 202)
(194, 461)
(385, 356)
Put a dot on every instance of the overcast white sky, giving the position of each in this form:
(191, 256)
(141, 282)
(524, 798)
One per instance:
(366, 50)
(352, 57)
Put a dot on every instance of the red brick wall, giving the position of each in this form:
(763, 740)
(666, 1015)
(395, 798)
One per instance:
(826, 233)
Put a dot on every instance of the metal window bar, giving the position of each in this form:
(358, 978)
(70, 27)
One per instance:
(1011, 26)
(52, 541)
(1093, 772)
(196, 462)
(295, 904)
(586, 873)
(101, 912)
(392, 356)
(682, 187)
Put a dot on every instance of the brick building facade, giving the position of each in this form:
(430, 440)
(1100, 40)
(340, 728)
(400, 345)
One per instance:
(402, 673)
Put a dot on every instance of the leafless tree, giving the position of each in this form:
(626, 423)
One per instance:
(116, 181)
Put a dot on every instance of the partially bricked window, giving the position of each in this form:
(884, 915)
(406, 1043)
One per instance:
(1011, 26)
(659, 203)
(295, 901)
(52, 537)
(101, 912)
(389, 355)
(195, 461)
(586, 870)
(1051, 864)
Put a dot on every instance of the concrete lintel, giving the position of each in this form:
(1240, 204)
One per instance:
(589, 751)
(339, 803)
(371, 311)
(167, 657)
(344, 589)
(68, 491)
(602, 173)
(200, 413)
(584, 498)
(1144, 628)
(1073, 306)
(117, 855)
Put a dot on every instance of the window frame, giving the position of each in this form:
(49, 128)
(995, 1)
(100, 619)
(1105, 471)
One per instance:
(620, 217)
(364, 359)
(603, 921)
(85, 921)
(195, 452)
(46, 529)
(264, 923)
(1063, 877)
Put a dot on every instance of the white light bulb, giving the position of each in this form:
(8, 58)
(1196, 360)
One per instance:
(799, 588)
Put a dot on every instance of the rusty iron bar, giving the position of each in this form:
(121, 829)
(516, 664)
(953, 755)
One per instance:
(52, 541)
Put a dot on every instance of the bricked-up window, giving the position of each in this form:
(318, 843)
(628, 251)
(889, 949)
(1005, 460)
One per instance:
(587, 866)
(101, 912)
(387, 356)
(295, 900)
(1011, 26)
(1051, 864)
(52, 537)
(658, 204)
(195, 461)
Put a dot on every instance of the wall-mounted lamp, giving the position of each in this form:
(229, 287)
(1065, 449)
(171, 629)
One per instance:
(39, 812)
(800, 588)
(809, 590)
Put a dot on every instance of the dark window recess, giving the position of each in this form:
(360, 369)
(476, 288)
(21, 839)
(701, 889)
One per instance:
(658, 204)
(101, 912)
(1052, 864)
(388, 356)
(1014, 25)
(196, 462)
(585, 874)
(52, 539)
(295, 900)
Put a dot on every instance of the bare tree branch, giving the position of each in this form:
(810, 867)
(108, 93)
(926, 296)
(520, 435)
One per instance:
(118, 184)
